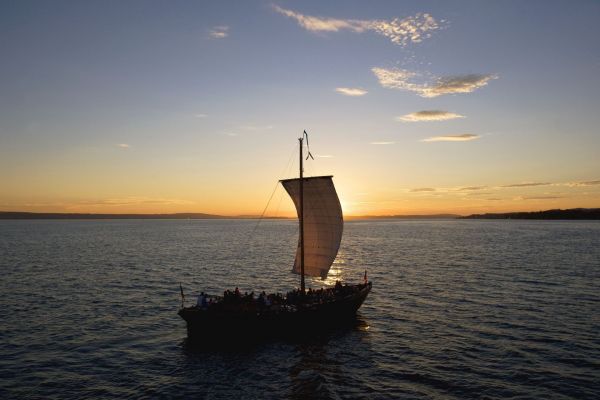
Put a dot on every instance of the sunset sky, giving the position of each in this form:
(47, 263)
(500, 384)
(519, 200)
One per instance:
(415, 107)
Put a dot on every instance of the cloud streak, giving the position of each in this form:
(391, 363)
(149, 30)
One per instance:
(402, 79)
(129, 201)
(143, 200)
(429, 115)
(543, 197)
(586, 183)
(412, 29)
(257, 127)
(123, 145)
(219, 32)
(382, 143)
(526, 184)
(420, 190)
(351, 91)
(491, 190)
(471, 188)
(473, 194)
(465, 137)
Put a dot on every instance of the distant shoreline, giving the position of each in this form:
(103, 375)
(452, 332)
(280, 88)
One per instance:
(569, 214)
(20, 215)
(426, 216)
(32, 215)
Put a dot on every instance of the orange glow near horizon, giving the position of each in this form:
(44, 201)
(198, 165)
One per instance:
(114, 184)
(404, 202)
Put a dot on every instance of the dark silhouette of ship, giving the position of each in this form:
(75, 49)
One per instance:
(234, 315)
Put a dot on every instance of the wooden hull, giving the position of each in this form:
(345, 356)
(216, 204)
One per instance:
(227, 325)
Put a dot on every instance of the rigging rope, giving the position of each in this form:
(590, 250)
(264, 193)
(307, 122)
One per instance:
(272, 193)
(278, 205)
(265, 209)
(250, 236)
(283, 173)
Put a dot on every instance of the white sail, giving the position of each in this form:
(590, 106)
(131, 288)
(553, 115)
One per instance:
(323, 223)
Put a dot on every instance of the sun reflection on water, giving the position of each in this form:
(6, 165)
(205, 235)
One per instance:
(336, 271)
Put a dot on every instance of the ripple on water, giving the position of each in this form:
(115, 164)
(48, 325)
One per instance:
(459, 309)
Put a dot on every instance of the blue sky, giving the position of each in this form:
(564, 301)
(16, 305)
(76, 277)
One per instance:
(166, 106)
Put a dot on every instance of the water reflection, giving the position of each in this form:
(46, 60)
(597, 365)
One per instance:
(308, 374)
(316, 366)
(321, 362)
(461, 309)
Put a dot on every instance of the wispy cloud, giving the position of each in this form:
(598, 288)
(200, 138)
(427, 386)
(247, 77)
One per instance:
(459, 84)
(144, 200)
(474, 194)
(351, 91)
(257, 127)
(403, 79)
(123, 145)
(471, 188)
(419, 190)
(128, 201)
(323, 156)
(429, 115)
(317, 24)
(410, 29)
(542, 197)
(219, 32)
(402, 32)
(526, 184)
(382, 143)
(586, 183)
(201, 115)
(494, 190)
(465, 137)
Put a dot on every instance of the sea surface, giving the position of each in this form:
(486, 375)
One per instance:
(459, 309)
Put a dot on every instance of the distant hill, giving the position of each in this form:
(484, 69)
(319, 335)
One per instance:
(430, 216)
(573, 213)
(30, 215)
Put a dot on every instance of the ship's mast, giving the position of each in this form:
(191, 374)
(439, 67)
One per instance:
(301, 215)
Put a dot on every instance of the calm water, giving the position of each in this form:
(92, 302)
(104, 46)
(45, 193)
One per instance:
(459, 309)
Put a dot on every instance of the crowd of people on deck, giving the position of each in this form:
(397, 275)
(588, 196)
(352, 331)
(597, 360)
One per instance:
(249, 301)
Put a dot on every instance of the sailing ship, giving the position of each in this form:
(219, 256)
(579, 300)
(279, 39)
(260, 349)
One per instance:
(320, 234)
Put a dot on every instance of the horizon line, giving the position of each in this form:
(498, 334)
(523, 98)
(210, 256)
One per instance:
(198, 215)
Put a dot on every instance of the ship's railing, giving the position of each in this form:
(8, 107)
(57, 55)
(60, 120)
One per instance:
(192, 299)
(282, 299)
